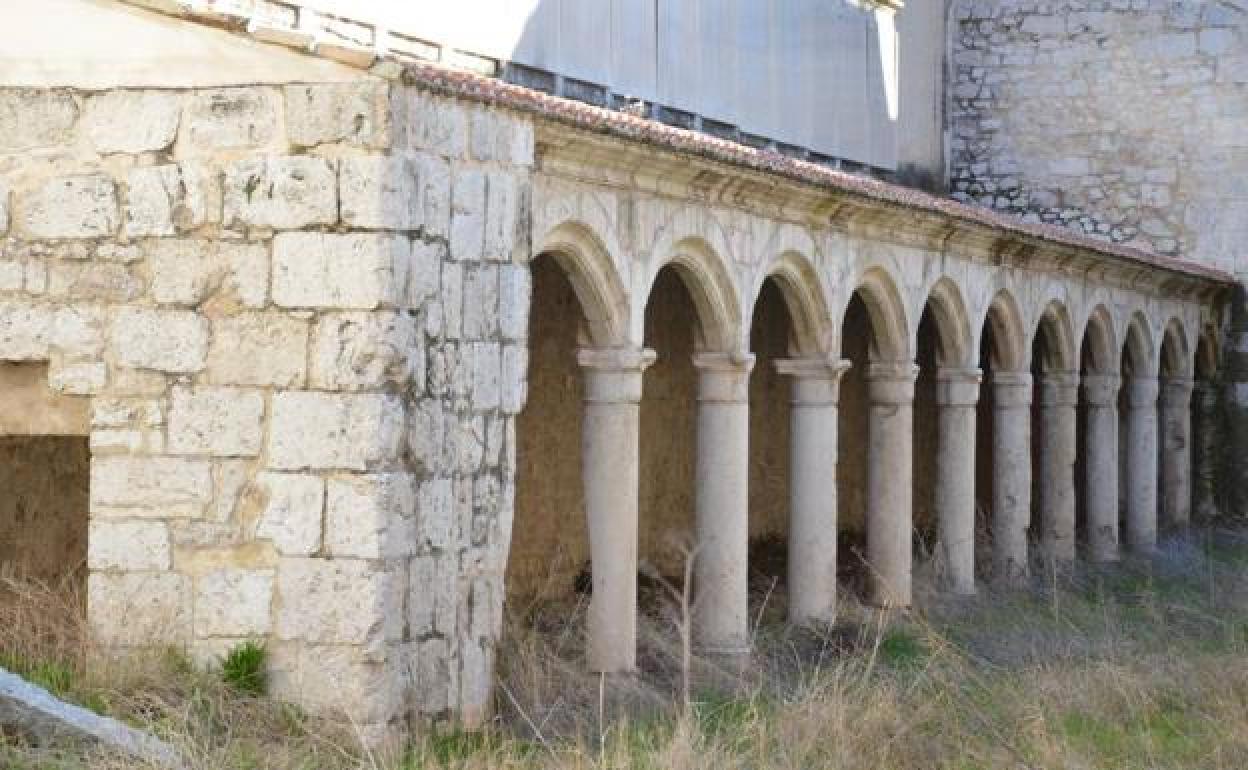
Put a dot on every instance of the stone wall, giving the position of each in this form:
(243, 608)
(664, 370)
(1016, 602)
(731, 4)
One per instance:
(1124, 120)
(293, 313)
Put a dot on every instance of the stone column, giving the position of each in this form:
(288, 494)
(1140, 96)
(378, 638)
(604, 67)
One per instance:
(1059, 395)
(812, 488)
(1176, 457)
(1011, 469)
(890, 464)
(957, 394)
(1204, 463)
(609, 469)
(1100, 393)
(1142, 463)
(721, 612)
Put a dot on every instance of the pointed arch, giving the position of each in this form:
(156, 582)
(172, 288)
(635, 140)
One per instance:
(1137, 353)
(1175, 354)
(586, 261)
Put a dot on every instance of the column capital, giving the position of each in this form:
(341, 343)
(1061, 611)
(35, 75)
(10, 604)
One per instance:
(1011, 390)
(816, 381)
(891, 382)
(1176, 392)
(1059, 389)
(958, 387)
(1142, 392)
(613, 375)
(1101, 389)
(724, 377)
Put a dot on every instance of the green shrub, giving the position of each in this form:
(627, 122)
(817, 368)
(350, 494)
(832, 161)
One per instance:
(244, 669)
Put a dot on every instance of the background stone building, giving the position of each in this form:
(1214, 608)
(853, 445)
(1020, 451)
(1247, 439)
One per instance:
(342, 325)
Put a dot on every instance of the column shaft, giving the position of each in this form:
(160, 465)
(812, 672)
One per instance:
(1176, 458)
(722, 503)
(1205, 448)
(1101, 466)
(957, 393)
(812, 489)
(1011, 467)
(1142, 463)
(610, 457)
(1059, 395)
(890, 464)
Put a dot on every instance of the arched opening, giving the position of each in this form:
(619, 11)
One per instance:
(666, 515)
(1206, 431)
(1096, 477)
(851, 474)
(1054, 427)
(1174, 455)
(1137, 440)
(549, 557)
(931, 353)
(771, 340)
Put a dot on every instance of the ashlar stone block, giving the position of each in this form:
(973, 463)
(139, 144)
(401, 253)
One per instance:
(345, 272)
(234, 603)
(150, 486)
(132, 121)
(230, 117)
(356, 351)
(371, 517)
(262, 349)
(83, 206)
(31, 118)
(333, 601)
(164, 340)
(221, 422)
(358, 431)
(190, 271)
(281, 192)
(291, 517)
(353, 113)
(128, 545)
(161, 200)
(139, 608)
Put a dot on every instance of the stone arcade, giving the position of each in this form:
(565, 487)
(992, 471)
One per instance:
(350, 345)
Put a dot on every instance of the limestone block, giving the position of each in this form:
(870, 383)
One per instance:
(258, 349)
(379, 192)
(486, 375)
(106, 282)
(291, 516)
(230, 117)
(222, 422)
(435, 123)
(361, 431)
(139, 608)
(514, 378)
(334, 681)
(281, 192)
(515, 290)
(497, 136)
(503, 216)
(234, 602)
(164, 340)
(31, 118)
(425, 436)
(150, 486)
(426, 272)
(190, 271)
(82, 206)
(358, 351)
(333, 601)
(230, 479)
(132, 121)
(371, 517)
(452, 303)
(128, 545)
(468, 215)
(433, 193)
(433, 600)
(435, 681)
(161, 200)
(476, 681)
(437, 514)
(4, 206)
(78, 329)
(77, 378)
(354, 113)
(25, 330)
(480, 302)
(356, 271)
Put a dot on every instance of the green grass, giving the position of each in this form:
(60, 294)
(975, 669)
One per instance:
(243, 668)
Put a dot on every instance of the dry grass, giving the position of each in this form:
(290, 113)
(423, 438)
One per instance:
(1141, 665)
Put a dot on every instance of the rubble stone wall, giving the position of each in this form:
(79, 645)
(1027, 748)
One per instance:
(295, 315)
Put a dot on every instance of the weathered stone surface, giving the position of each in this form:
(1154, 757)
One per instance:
(371, 517)
(71, 207)
(291, 517)
(139, 608)
(358, 351)
(222, 422)
(497, 136)
(258, 349)
(31, 710)
(332, 601)
(468, 201)
(435, 124)
(128, 545)
(515, 289)
(481, 302)
(379, 192)
(434, 599)
(281, 192)
(234, 602)
(190, 271)
(503, 216)
(230, 117)
(486, 374)
(161, 200)
(354, 113)
(31, 118)
(165, 340)
(318, 270)
(334, 680)
(326, 430)
(93, 281)
(132, 121)
(163, 487)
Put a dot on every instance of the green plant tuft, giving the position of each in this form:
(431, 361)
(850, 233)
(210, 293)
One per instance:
(244, 669)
